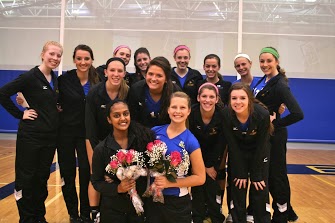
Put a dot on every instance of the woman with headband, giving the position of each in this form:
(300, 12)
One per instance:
(185, 77)
(205, 122)
(247, 129)
(242, 64)
(123, 52)
(97, 126)
(273, 90)
(212, 65)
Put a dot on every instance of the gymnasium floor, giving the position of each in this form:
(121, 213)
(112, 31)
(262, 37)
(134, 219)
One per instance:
(311, 170)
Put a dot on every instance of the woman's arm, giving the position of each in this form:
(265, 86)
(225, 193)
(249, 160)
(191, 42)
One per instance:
(197, 178)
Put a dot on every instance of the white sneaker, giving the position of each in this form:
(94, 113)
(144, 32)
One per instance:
(229, 219)
(250, 219)
(97, 218)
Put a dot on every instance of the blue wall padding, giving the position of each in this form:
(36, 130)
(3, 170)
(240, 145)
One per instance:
(315, 97)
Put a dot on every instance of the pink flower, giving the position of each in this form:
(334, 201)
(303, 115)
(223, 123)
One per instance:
(149, 146)
(157, 141)
(114, 164)
(121, 156)
(175, 158)
(130, 156)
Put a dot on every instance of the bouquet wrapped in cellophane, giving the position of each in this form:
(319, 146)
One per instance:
(171, 166)
(129, 164)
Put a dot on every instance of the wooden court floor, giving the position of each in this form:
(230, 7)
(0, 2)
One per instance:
(312, 179)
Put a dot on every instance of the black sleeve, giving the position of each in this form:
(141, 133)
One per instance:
(98, 173)
(90, 121)
(262, 147)
(291, 103)
(238, 167)
(10, 89)
(134, 103)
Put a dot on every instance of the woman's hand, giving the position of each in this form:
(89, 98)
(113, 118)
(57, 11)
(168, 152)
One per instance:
(211, 172)
(30, 114)
(282, 108)
(240, 183)
(19, 100)
(273, 116)
(162, 182)
(126, 185)
(259, 185)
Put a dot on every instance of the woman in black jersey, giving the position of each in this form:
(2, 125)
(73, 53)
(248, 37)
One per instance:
(73, 88)
(37, 132)
(212, 65)
(184, 76)
(97, 127)
(116, 204)
(247, 129)
(141, 62)
(148, 99)
(273, 90)
(205, 122)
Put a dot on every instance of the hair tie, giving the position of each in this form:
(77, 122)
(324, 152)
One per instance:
(270, 50)
(209, 84)
(120, 47)
(181, 47)
(243, 55)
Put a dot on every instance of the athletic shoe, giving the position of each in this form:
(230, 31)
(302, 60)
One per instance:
(250, 218)
(97, 218)
(292, 216)
(85, 219)
(229, 219)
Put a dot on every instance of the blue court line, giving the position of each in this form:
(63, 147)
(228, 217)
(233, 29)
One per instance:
(7, 190)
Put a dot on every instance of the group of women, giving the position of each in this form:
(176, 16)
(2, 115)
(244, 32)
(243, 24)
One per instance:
(107, 109)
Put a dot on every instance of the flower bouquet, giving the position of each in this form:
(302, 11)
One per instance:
(128, 164)
(170, 166)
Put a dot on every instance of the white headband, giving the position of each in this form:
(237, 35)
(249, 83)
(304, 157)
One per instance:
(242, 55)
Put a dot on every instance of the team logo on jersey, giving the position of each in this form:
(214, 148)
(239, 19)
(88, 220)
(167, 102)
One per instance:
(45, 87)
(139, 103)
(213, 131)
(173, 82)
(265, 160)
(182, 144)
(198, 127)
(103, 106)
(235, 129)
(190, 84)
(253, 132)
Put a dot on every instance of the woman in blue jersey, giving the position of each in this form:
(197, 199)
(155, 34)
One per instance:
(177, 206)
(247, 129)
(37, 132)
(273, 90)
(184, 76)
(73, 88)
(205, 122)
(148, 99)
(242, 64)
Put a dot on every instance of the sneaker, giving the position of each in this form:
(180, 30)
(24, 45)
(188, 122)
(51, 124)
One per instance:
(85, 219)
(229, 219)
(97, 218)
(250, 218)
(292, 216)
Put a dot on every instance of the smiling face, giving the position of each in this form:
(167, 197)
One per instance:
(211, 68)
(155, 79)
(51, 56)
(207, 99)
(83, 60)
(119, 116)
(239, 101)
(179, 109)
(268, 64)
(124, 54)
(182, 58)
(115, 72)
(242, 66)
(142, 61)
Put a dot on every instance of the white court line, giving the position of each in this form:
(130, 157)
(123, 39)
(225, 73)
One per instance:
(53, 199)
